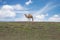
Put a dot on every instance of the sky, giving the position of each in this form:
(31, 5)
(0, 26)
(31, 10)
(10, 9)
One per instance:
(41, 10)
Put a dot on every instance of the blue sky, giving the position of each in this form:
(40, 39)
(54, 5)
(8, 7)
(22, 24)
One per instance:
(42, 10)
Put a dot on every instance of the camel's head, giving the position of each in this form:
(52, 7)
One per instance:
(25, 15)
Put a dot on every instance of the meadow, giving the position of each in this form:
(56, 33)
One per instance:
(29, 31)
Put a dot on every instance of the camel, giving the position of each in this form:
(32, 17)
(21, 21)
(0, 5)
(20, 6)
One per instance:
(29, 16)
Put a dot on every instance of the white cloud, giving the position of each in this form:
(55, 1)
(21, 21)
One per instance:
(13, 7)
(43, 13)
(7, 11)
(46, 8)
(10, 10)
(28, 2)
(55, 18)
(18, 7)
(22, 12)
(40, 16)
(6, 20)
(7, 7)
(21, 19)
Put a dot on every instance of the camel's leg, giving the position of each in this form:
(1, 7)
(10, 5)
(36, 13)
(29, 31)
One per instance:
(29, 20)
(32, 19)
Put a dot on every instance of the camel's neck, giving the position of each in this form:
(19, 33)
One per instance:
(26, 15)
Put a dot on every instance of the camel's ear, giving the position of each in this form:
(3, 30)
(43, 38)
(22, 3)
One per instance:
(24, 14)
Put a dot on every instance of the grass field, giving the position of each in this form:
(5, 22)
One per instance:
(29, 31)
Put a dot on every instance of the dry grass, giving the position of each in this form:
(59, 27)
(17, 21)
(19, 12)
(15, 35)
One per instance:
(29, 31)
